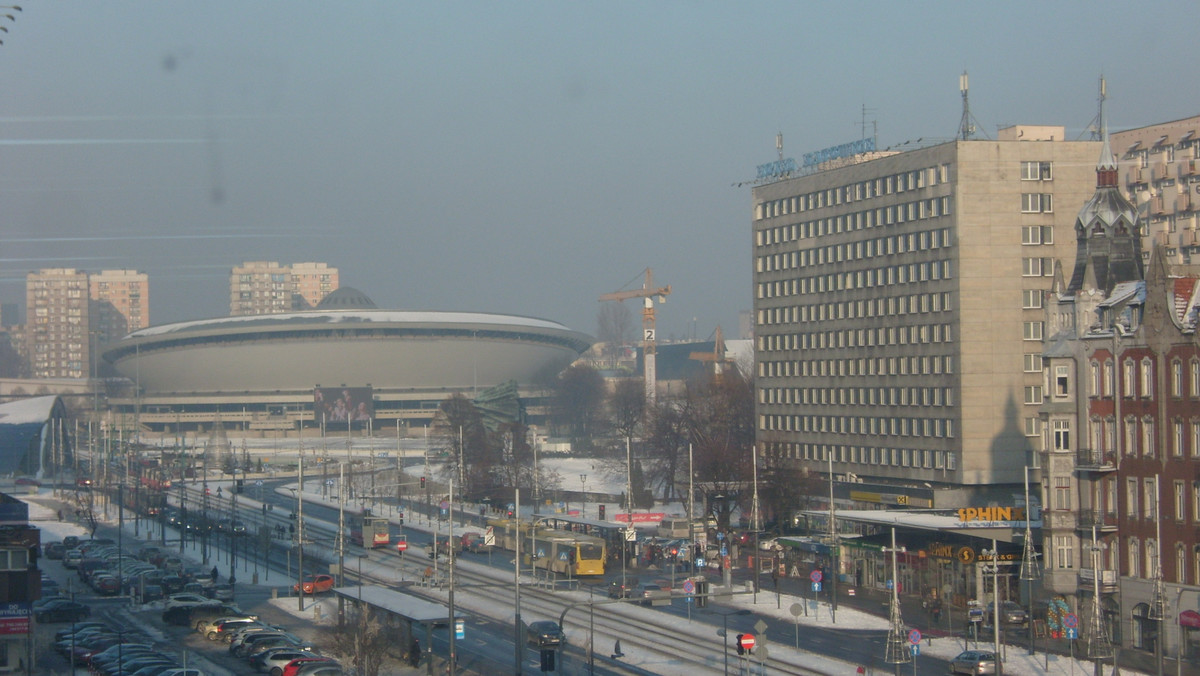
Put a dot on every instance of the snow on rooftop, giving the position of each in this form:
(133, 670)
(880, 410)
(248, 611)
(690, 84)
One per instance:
(25, 411)
(352, 316)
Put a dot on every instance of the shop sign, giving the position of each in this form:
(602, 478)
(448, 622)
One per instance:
(990, 517)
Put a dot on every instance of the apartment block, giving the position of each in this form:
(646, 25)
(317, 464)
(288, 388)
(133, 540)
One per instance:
(120, 303)
(1159, 168)
(266, 287)
(58, 319)
(898, 313)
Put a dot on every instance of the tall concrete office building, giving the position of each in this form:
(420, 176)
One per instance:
(57, 334)
(266, 287)
(898, 302)
(120, 303)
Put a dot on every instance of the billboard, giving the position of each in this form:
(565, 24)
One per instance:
(343, 404)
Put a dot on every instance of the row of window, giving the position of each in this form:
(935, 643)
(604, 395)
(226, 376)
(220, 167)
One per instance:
(862, 190)
(876, 366)
(1183, 438)
(868, 455)
(1037, 203)
(919, 334)
(866, 249)
(858, 396)
(891, 275)
(890, 306)
(941, 428)
(1138, 378)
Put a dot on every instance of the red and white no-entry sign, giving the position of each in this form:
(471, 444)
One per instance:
(748, 641)
(402, 545)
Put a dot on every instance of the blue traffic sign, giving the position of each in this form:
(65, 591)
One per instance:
(720, 535)
(916, 649)
(815, 576)
(816, 586)
(1071, 621)
(1072, 633)
(689, 587)
(329, 482)
(724, 550)
(258, 482)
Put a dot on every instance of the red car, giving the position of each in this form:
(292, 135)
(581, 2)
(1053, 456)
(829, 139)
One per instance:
(27, 481)
(294, 666)
(316, 584)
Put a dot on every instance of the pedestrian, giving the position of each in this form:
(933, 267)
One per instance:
(215, 574)
(414, 653)
(60, 515)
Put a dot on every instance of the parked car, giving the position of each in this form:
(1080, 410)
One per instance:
(61, 610)
(187, 599)
(223, 592)
(55, 550)
(71, 541)
(545, 633)
(72, 558)
(1010, 613)
(294, 667)
(473, 542)
(316, 584)
(151, 592)
(974, 662)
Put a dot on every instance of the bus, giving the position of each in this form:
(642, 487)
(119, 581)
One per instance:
(370, 531)
(569, 553)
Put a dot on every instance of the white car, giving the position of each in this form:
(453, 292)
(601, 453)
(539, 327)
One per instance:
(187, 599)
(768, 545)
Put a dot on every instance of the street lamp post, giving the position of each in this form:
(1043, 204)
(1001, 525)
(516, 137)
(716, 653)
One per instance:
(583, 495)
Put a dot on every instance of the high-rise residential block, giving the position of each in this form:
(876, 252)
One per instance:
(120, 303)
(58, 323)
(266, 287)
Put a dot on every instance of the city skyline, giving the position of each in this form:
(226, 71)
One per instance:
(519, 160)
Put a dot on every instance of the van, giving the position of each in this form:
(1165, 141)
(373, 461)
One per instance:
(677, 527)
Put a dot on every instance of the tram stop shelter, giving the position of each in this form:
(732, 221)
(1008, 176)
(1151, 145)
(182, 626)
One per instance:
(400, 612)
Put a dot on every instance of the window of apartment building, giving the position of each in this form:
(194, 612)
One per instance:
(1180, 502)
(1062, 380)
(1062, 434)
(1032, 235)
(1180, 563)
(1032, 330)
(1151, 559)
(1135, 557)
(1130, 378)
(1108, 378)
(1194, 437)
(1177, 438)
(1031, 299)
(1131, 436)
(1196, 501)
(1176, 378)
(1033, 362)
(1110, 487)
(1033, 394)
(1031, 267)
(1036, 171)
(1094, 383)
(1062, 493)
(1037, 203)
(1064, 551)
(1131, 497)
(1149, 498)
(1194, 378)
(1148, 446)
(1033, 426)
(1147, 377)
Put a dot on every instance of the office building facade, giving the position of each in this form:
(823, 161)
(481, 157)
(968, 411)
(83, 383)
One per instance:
(899, 314)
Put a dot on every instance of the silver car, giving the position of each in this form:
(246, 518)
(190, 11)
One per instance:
(974, 662)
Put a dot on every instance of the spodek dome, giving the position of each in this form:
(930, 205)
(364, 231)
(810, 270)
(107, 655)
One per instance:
(270, 365)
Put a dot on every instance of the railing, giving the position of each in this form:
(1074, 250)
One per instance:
(1090, 458)
(1098, 518)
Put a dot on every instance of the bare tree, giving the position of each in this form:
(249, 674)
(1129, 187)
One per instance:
(614, 325)
(577, 407)
(12, 364)
(459, 431)
(363, 641)
(627, 407)
(721, 413)
(667, 435)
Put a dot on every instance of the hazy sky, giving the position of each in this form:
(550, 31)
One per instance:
(518, 157)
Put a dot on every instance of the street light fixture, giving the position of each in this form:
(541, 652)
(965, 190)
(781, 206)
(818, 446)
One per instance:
(583, 495)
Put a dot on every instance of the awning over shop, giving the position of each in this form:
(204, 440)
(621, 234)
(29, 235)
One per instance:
(1189, 619)
(804, 545)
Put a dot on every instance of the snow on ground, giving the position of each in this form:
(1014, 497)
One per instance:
(1017, 662)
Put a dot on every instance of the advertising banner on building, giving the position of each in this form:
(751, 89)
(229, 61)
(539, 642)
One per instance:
(343, 404)
(14, 618)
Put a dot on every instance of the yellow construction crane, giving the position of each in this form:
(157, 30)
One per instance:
(647, 292)
(717, 356)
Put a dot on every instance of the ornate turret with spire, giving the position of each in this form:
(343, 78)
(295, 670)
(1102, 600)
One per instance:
(1106, 231)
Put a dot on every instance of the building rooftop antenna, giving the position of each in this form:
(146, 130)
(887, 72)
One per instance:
(874, 124)
(965, 128)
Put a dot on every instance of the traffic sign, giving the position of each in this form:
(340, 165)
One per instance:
(329, 482)
(1072, 633)
(402, 544)
(489, 537)
(815, 576)
(720, 535)
(689, 587)
(1071, 621)
(562, 556)
(914, 636)
(459, 630)
(748, 641)
(916, 649)
(258, 482)
(816, 586)
(724, 550)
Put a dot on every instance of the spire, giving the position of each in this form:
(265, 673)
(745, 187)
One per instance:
(1106, 168)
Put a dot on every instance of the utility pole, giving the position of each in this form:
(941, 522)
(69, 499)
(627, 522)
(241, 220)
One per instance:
(300, 529)
(1029, 565)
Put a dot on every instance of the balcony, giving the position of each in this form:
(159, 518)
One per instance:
(1104, 522)
(1108, 579)
(1092, 460)
(1188, 168)
(1158, 206)
(1136, 176)
(1183, 202)
(1162, 172)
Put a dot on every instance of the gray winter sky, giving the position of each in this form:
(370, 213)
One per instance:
(519, 157)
